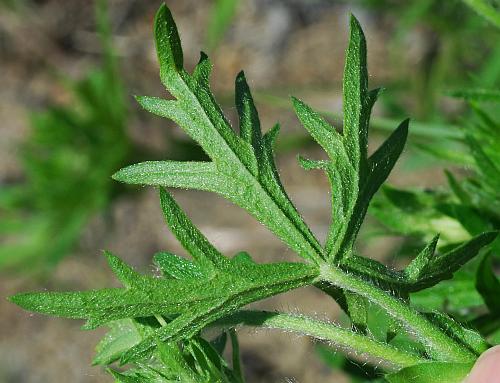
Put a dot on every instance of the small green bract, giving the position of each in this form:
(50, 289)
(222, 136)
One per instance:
(157, 323)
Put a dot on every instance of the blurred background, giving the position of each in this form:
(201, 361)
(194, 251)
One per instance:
(68, 120)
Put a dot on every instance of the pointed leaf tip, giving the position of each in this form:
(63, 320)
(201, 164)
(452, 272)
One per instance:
(125, 274)
(414, 270)
(353, 21)
(247, 112)
(168, 43)
(241, 76)
(203, 70)
(403, 130)
(14, 299)
(118, 176)
(203, 56)
(295, 101)
(271, 135)
(242, 89)
(22, 300)
(355, 29)
(204, 253)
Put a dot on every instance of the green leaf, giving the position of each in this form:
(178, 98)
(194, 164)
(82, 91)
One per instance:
(485, 164)
(426, 270)
(242, 168)
(219, 343)
(172, 357)
(248, 116)
(485, 10)
(354, 177)
(224, 287)
(456, 295)
(224, 293)
(415, 270)
(214, 367)
(222, 14)
(125, 274)
(236, 359)
(415, 212)
(443, 266)
(478, 94)
(380, 165)
(168, 43)
(488, 285)
(468, 337)
(435, 268)
(177, 267)
(246, 162)
(211, 288)
(196, 175)
(139, 375)
(342, 175)
(203, 252)
(431, 372)
(122, 336)
(355, 91)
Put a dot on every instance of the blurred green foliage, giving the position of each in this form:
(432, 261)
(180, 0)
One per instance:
(487, 9)
(222, 14)
(67, 159)
(453, 55)
(469, 206)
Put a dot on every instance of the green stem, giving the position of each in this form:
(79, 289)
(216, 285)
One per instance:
(354, 344)
(438, 344)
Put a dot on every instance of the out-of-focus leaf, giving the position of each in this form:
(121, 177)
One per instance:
(412, 212)
(122, 336)
(486, 10)
(488, 285)
(66, 160)
(431, 372)
(455, 295)
(477, 94)
(221, 15)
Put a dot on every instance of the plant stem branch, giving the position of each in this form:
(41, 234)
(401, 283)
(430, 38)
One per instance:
(356, 345)
(438, 344)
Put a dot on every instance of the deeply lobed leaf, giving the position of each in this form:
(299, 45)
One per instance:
(195, 293)
(242, 168)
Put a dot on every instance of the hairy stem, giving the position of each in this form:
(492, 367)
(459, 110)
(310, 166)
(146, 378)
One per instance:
(438, 344)
(353, 344)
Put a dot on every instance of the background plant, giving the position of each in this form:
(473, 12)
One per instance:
(211, 290)
(469, 206)
(443, 64)
(67, 158)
